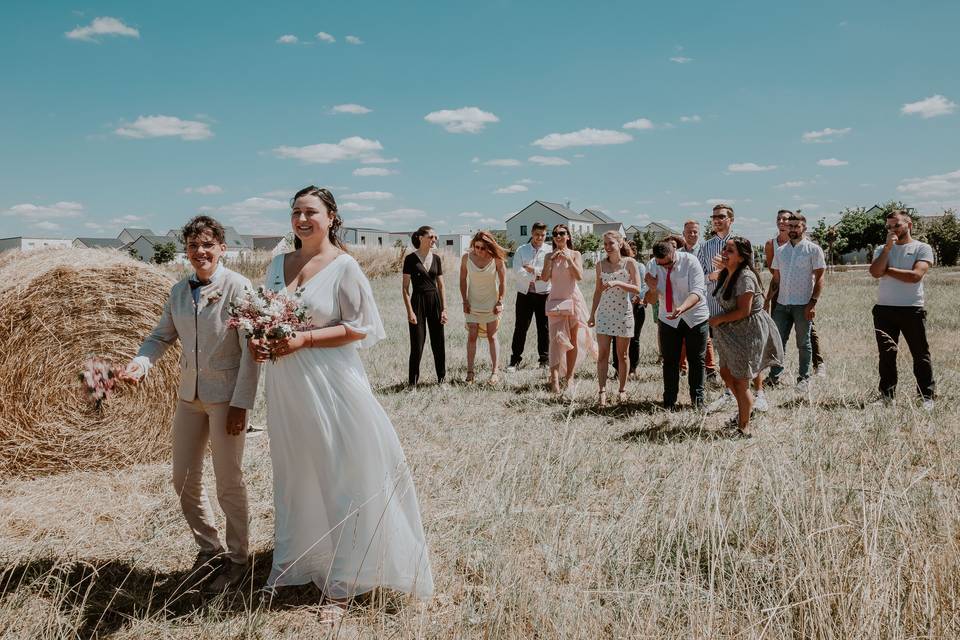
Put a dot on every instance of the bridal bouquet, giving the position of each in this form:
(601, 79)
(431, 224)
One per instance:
(99, 377)
(268, 314)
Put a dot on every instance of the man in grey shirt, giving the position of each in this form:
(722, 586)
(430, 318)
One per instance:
(900, 265)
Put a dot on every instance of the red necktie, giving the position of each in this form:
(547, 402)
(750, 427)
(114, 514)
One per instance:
(669, 293)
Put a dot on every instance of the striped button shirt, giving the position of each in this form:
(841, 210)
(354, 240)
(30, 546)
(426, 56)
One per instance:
(708, 251)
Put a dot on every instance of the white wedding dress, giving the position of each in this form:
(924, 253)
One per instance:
(345, 509)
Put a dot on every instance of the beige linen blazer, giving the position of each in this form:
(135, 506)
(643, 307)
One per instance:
(215, 365)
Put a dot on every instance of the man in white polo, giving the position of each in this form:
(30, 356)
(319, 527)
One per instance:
(901, 265)
(797, 269)
(531, 296)
(676, 279)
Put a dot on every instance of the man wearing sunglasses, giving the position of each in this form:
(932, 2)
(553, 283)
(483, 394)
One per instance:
(900, 265)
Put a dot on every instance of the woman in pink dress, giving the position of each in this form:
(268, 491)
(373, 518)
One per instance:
(567, 313)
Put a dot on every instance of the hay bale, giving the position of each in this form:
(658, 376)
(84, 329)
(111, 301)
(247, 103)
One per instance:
(57, 307)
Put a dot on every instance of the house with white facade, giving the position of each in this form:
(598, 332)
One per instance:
(274, 244)
(130, 234)
(22, 243)
(146, 246)
(367, 237)
(550, 213)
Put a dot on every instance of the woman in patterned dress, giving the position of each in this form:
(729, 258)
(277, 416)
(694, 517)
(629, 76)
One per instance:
(745, 335)
(618, 279)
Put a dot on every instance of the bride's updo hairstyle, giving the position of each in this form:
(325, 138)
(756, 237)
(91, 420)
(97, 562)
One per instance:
(330, 202)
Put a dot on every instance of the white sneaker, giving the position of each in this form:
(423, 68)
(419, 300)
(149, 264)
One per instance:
(760, 402)
(803, 386)
(928, 404)
(822, 370)
(511, 369)
(721, 402)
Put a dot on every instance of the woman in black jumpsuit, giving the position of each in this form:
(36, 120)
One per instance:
(426, 308)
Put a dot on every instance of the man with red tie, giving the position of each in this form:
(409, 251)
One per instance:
(677, 279)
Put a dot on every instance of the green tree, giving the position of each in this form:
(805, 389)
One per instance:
(504, 241)
(133, 253)
(644, 241)
(587, 244)
(164, 253)
(829, 239)
(861, 228)
(944, 236)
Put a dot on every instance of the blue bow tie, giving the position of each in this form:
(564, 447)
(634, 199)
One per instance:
(196, 284)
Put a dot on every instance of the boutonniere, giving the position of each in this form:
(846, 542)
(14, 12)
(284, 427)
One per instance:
(213, 296)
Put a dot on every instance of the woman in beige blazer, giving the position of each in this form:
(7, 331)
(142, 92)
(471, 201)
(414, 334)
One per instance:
(218, 384)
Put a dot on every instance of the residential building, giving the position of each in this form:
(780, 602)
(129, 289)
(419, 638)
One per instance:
(98, 243)
(367, 237)
(21, 243)
(274, 244)
(550, 213)
(130, 234)
(146, 246)
(455, 243)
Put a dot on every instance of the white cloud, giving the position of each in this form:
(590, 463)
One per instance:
(503, 162)
(526, 181)
(205, 190)
(945, 185)
(808, 206)
(353, 148)
(165, 126)
(128, 219)
(256, 205)
(63, 209)
(376, 159)
(693, 118)
(832, 162)
(323, 36)
(825, 135)
(369, 195)
(373, 171)
(548, 161)
(791, 184)
(463, 120)
(582, 138)
(369, 220)
(105, 26)
(690, 203)
(749, 167)
(641, 123)
(46, 225)
(930, 107)
(716, 201)
(280, 193)
(681, 59)
(406, 213)
(256, 215)
(354, 206)
(288, 39)
(353, 40)
(355, 109)
(471, 214)
(514, 188)
(488, 221)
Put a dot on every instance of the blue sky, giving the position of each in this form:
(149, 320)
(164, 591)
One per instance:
(142, 114)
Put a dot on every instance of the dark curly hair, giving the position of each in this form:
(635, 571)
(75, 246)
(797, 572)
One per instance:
(198, 225)
(745, 249)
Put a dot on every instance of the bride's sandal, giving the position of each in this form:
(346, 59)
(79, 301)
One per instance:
(601, 399)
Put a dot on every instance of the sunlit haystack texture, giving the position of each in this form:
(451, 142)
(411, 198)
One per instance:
(58, 307)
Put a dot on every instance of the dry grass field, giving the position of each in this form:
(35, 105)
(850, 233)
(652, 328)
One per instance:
(550, 519)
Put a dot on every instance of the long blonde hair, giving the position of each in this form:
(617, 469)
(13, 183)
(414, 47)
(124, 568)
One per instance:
(625, 249)
(490, 244)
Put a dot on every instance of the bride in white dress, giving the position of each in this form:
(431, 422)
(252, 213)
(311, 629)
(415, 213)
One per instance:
(345, 509)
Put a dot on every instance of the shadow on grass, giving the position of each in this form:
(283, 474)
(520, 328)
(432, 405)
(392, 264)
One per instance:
(618, 411)
(829, 404)
(105, 596)
(663, 432)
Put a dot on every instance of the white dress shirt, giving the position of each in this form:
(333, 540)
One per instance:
(796, 264)
(686, 277)
(527, 255)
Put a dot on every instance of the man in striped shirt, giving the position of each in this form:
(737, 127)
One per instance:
(722, 220)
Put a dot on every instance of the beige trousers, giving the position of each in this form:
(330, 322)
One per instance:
(194, 424)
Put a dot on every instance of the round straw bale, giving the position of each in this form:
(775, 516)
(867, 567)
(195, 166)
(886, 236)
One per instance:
(57, 308)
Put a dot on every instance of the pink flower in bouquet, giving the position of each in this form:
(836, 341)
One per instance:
(268, 314)
(99, 377)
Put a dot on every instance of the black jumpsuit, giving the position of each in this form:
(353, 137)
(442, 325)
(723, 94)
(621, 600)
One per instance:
(427, 306)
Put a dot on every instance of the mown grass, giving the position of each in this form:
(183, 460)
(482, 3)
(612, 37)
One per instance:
(548, 518)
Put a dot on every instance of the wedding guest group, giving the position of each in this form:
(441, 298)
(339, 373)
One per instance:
(531, 298)
(218, 386)
(482, 284)
(901, 264)
(618, 280)
(797, 274)
(426, 307)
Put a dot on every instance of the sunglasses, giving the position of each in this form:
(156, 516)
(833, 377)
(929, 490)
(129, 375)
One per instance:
(719, 216)
(560, 233)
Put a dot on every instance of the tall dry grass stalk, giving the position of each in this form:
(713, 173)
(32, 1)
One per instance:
(548, 518)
